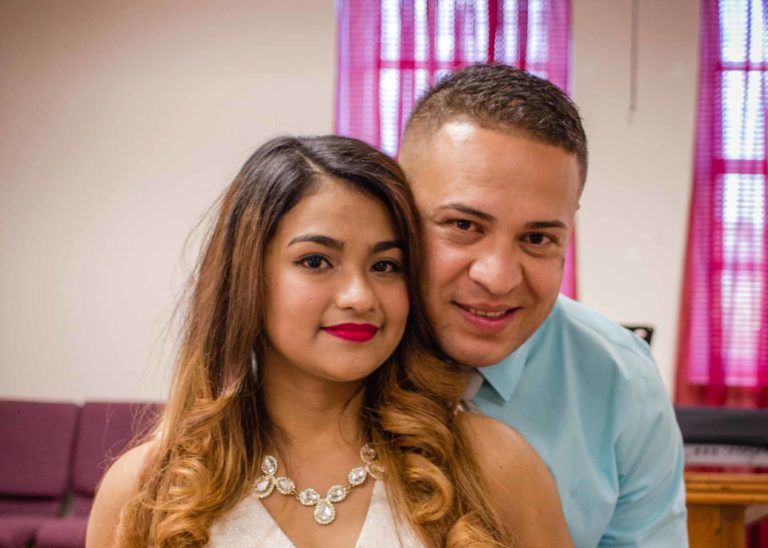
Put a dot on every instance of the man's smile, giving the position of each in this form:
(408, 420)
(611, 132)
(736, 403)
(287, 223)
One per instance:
(487, 318)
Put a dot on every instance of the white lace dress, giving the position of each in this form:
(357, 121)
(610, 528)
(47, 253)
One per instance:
(249, 524)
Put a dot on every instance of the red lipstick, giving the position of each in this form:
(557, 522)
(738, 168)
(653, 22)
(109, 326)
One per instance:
(354, 332)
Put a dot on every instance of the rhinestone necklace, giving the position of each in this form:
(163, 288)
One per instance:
(325, 511)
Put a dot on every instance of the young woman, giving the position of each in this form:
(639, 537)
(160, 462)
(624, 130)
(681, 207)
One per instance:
(308, 408)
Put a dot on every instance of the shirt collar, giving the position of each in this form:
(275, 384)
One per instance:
(505, 375)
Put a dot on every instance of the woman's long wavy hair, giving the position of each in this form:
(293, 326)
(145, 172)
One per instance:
(213, 432)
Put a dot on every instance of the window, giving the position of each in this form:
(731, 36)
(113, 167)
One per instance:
(724, 320)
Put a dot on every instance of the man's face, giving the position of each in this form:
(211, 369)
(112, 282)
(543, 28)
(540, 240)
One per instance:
(497, 210)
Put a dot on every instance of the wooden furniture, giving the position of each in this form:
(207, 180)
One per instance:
(719, 505)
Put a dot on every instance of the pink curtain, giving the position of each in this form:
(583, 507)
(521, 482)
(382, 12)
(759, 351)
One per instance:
(390, 51)
(723, 342)
(723, 338)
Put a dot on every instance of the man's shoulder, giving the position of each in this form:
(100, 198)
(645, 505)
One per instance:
(595, 352)
(589, 376)
(581, 326)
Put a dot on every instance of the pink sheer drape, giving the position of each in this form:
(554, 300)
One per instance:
(723, 342)
(390, 51)
(723, 338)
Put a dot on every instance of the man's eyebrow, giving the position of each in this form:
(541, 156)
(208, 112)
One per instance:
(535, 225)
(326, 241)
(386, 245)
(457, 206)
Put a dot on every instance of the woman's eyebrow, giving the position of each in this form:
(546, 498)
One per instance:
(338, 245)
(326, 241)
(384, 246)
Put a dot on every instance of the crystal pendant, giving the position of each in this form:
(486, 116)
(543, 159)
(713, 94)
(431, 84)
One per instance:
(325, 513)
(337, 493)
(324, 509)
(264, 486)
(285, 485)
(367, 454)
(357, 475)
(269, 465)
(376, 470)
(309, 497)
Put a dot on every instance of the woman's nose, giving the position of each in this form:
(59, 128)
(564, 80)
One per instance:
(356, 293)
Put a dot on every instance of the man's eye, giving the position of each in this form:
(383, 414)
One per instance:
(386, 267)
(538, 239)
(314, 262)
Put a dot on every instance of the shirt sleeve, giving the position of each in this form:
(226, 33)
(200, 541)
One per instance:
(650, 510)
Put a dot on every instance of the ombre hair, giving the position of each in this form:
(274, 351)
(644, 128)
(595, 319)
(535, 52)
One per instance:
(206, 451)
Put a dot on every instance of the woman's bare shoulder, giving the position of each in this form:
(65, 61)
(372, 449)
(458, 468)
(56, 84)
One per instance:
(118, 485)
(501, 448)
(495, 443)
(518, 481)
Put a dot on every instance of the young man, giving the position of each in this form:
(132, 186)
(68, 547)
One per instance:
(497, 159)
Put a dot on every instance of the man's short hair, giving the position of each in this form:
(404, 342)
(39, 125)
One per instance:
(501, 97)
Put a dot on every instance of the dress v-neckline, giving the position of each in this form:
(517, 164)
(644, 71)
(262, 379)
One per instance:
(375, 494)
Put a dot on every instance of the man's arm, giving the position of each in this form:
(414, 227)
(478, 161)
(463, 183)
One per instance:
(650, 511)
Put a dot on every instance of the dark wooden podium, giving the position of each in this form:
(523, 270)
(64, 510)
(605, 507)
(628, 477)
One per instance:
(719, 505)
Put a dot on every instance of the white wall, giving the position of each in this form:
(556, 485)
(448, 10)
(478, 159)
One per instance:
(120, 122)
(633, 220)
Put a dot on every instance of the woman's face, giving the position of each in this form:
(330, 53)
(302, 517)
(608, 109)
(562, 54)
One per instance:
(337, 301)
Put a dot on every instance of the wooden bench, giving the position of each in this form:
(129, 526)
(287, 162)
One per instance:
(721, 504)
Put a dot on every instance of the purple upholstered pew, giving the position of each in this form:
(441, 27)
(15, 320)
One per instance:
(104, 432)
(36, 440)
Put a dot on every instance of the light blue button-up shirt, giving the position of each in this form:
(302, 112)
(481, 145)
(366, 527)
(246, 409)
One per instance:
(587, 395)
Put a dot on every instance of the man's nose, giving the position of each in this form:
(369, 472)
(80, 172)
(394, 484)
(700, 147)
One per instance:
(499, 271)
(356, 293)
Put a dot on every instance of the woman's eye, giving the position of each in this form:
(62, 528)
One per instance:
(387, 267)
(463, 224)
(314, 262)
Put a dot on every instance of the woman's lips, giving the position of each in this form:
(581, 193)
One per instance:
(354, 332)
